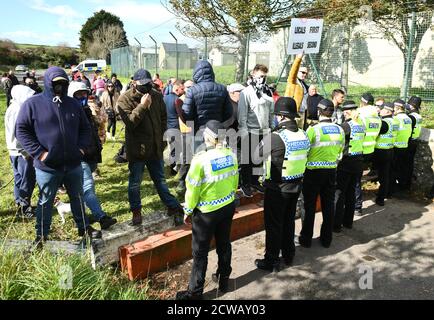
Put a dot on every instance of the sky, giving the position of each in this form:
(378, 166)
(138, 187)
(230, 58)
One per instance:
(51, 22)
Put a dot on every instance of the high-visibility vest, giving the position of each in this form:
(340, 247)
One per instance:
(372, 123)
(212, 180)
(357, 136)
(386, 141)
(404, 131)
(297, 146)
(327, 141)
(418, 127)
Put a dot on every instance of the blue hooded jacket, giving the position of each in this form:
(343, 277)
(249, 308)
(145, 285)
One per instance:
(60, 128)
(206, 100)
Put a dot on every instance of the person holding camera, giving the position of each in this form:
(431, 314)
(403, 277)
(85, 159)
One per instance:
(143, 111)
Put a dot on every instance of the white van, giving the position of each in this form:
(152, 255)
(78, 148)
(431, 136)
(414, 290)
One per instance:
(92, 65)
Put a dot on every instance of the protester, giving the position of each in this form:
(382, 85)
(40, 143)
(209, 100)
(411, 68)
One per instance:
(206, 100)
(13, 78)
(115, 81)
(284, 168)
(53, 129)
(32, 84)
(312, 106)
(255, 119)
(327, 141)
(93, 156)
(349, 168)
(174, 112)
(99, 87)
(80, 76)
(100, 117)
(160, 85)
(383, 155)
(338, 98)
(109, 101)
(22, 162)
(169, 86)
(209, 207)
(7, 87)
(297, 87)
(143, 111)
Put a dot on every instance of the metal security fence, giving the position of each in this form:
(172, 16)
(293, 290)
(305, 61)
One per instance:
(125, 61)
(391, 59)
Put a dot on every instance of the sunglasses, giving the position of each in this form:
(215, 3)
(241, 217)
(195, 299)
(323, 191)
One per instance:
(303, 72)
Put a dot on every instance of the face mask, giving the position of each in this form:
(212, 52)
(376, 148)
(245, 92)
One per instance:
(143, 89)
(60, 88)
(83, 101)
(259, 82)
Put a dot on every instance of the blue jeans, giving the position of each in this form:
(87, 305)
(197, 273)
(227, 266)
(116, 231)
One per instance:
(24, 180)
(90, 198)
(48, 183)
(156, 171)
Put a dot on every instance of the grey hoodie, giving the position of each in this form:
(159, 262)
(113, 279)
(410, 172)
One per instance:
(255, 115)
(20, 94)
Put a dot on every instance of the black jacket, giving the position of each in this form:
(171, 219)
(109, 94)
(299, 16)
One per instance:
(277, 151)
(93, 153)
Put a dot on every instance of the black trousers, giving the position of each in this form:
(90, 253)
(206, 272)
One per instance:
(383, 161)
(111, 126)
(205, 226)
(320, 182)
(399, 176)
(345, 198)
(187, 154)
(247, 149)
(279, 218)
(412, 148)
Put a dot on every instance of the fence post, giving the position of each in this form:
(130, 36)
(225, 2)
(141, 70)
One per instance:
(409, 56)
(177, 55)
(140, 53)
(247, 56)
(156, 54)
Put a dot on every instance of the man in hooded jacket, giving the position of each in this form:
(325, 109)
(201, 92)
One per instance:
(54, 130)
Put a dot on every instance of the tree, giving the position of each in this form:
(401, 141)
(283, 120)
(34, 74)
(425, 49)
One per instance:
(234, 19)
(106, 38)
(94, 23)
(391, 18)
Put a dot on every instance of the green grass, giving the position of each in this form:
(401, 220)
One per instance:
(42, 276)
(224, 74)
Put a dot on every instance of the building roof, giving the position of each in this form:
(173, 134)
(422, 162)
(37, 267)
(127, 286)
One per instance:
(171, 47)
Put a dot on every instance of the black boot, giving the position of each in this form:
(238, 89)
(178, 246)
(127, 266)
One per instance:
(187, 295)
(137, 217)
(106, 222)
(40, 242)
(266, 265)
(222, 281)
(91, 232)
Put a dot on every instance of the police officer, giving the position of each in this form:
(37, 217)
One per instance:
(372, 121)
(416, 125)
(286, 156)
(209, 206)
(327, 142)
(350, 167)
(383, 155)
(400, 156)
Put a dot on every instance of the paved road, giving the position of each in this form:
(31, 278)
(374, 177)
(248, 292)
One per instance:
(396, 242)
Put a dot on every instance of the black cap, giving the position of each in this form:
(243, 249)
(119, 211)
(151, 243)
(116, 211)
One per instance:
(399, 103)
(286, 106)
(326, 106)
(415, 102)
(367, 98)
(389, 106)
(142, 76)
(349, 105)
